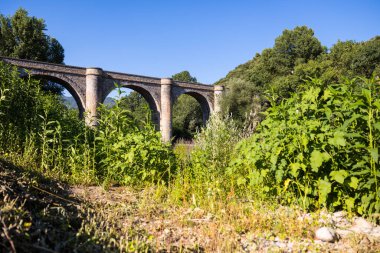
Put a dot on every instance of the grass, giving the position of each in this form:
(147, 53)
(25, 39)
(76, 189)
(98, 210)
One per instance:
(39, 214)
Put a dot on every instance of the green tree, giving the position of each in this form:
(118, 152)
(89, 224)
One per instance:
(184, 76)
(296, 46)
(297, 55)
(187, 112)
(24, 37)
(366, 60)
(136, 104)
(269, 75)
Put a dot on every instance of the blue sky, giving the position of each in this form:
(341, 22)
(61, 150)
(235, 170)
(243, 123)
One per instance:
(207, 38)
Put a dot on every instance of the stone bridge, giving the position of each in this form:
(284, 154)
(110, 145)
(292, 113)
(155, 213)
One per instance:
(90, 87)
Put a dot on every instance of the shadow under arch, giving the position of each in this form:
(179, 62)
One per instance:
(203, 102)
(67, 84)
(153, 105)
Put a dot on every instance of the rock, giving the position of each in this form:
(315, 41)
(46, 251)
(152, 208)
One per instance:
(362, 226)
(344, 232)
(376, 231)
(340, 216)
(365, 241)
(326, 234)
(340, 219)
(167, 231)
(362, 223)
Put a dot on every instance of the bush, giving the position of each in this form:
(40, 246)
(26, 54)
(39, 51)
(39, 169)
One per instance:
(202, 177)
(130, 152)
(22, 107)
(318, 148)
(38, 131)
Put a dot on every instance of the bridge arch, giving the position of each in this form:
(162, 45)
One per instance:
(68, 84)
(90, 86)
(204, 102)
(146, 94)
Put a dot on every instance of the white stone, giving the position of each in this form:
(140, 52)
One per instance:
(340, 214)
(376, 231)
(344, 232)
(326, 234)
(362, 226)
(362, 223)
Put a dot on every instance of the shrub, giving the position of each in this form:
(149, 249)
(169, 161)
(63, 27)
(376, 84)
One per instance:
(318, 148)
(130, 152)
(202, 177)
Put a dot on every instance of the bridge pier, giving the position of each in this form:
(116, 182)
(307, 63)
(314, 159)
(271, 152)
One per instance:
(93, 96)
(218, 90)
(166, 109)
(89, 85)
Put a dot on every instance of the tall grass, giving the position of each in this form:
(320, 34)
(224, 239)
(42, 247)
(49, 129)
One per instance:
(40, 132)
(202, 179)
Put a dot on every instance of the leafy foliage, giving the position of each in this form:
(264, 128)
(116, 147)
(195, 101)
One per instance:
(318, 148)
(130, 154)
(187, 117)
(278, 72)
(51, 138)
(21, 106)
(136, 104)
(24, 37)
(202, 177)
(187, 112)
(184, 76)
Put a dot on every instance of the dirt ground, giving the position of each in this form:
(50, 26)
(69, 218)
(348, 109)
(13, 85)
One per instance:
(193, 229)
(45, 215)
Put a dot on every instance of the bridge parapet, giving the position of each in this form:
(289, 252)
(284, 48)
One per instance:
(90, 86)
(45, 66)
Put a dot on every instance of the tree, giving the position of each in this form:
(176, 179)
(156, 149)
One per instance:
(296, 46)
(269, 75)
(24, 37)
(184, 76)
(297, 55)
(187, 112)
(366, 60)
(137, 105)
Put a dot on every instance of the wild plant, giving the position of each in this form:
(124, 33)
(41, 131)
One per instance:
(318, 149)
(203, 179)
(130, 152)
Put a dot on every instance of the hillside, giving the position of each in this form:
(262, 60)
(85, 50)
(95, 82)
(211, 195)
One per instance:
(70, 102)
(297, 55)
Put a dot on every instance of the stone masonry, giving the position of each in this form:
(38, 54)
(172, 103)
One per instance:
(90, 87)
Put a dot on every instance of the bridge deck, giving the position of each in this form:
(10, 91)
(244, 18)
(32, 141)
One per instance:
(117, 76)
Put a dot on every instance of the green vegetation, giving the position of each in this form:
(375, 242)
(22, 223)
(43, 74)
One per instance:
(187, 112)
(315, 148)
(318, 148)
(24, 37)
(278, 72)
(136, 104)
(37, 125)
(128, 151)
